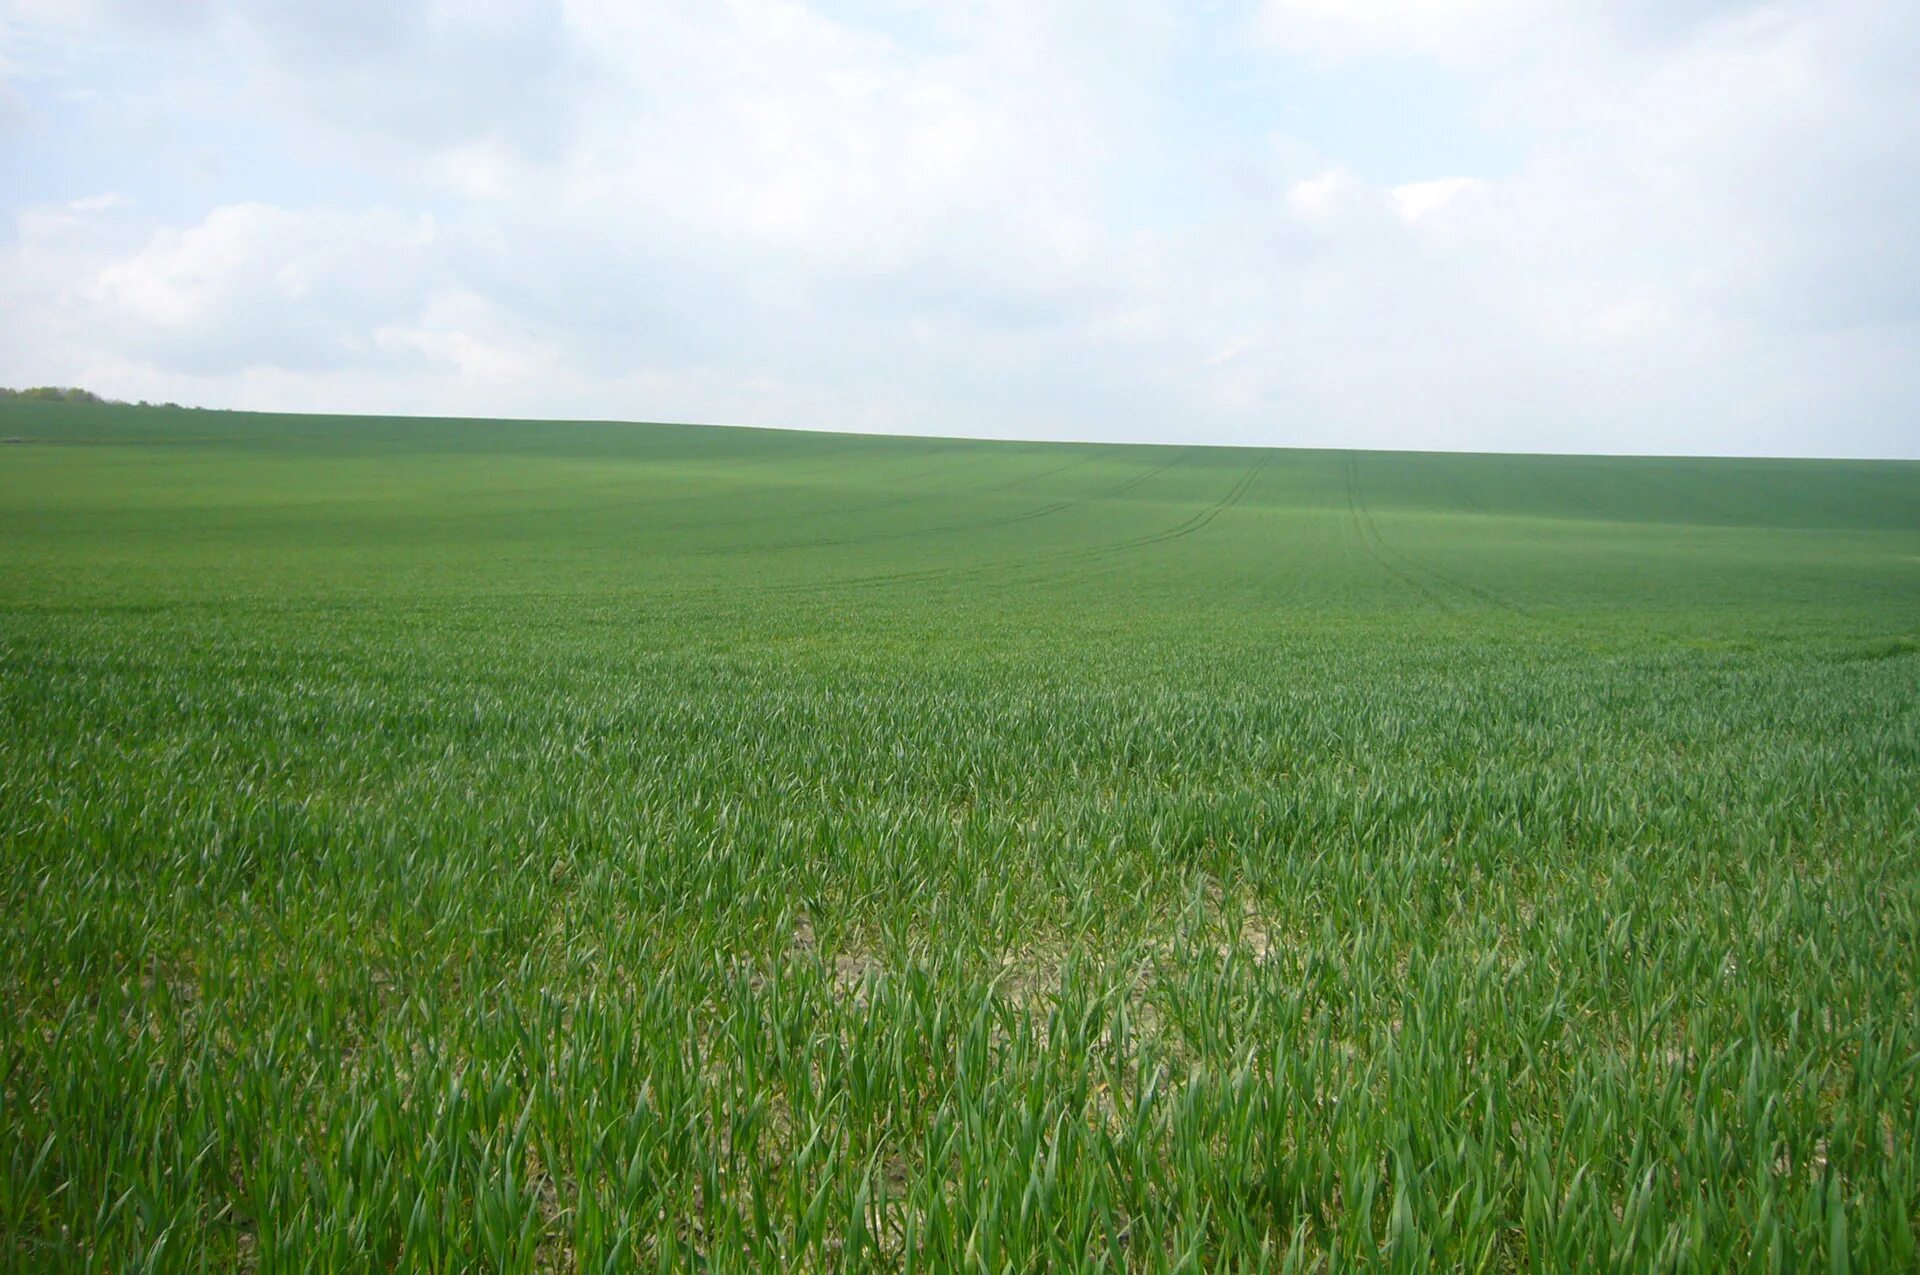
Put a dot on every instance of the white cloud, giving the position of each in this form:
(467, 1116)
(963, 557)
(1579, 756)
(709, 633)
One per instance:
(1417, 201)
(1324, 196)
(1453, 29)
(253, 283)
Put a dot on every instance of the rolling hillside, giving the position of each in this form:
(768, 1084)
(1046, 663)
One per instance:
(446, 844)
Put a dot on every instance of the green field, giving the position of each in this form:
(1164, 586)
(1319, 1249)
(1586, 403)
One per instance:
(519, 846)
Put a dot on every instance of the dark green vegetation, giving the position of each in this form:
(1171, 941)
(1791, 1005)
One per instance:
(461, 844)
(49, 394)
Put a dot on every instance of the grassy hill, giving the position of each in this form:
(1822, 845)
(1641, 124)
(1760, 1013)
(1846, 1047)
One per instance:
(569, 845)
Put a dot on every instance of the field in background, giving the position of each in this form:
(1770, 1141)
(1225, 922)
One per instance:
(463, 844)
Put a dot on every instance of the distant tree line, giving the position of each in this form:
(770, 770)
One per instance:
(66, 394)
(52, 394)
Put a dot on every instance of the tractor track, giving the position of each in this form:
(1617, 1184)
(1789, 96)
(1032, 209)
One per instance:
(1446, 590)
(1184, 528)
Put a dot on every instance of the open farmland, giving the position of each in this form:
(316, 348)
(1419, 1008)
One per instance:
(522, 846)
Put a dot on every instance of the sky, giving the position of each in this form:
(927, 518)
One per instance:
(1668, 226)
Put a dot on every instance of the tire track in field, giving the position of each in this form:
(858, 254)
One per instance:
(1119, 549)
(890, 502)
(1531, 525)
(1526, 524)
(791, 514)
(1370, 539)
(659, 500)
(1043, 511)
(1180, 530)
(1175, 532)
(1525, 521)
(1579, 499)
(1441, 587)
(931, 574)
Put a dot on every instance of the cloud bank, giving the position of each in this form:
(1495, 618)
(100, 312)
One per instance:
(1684, 226)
